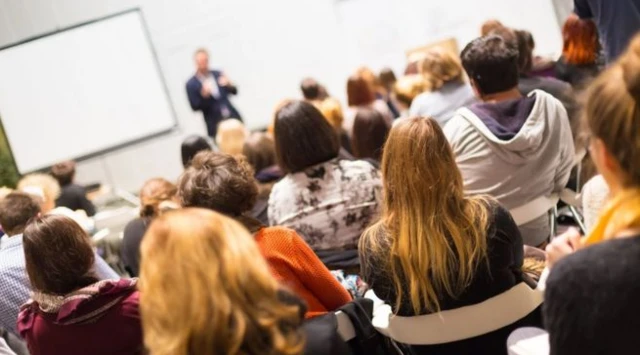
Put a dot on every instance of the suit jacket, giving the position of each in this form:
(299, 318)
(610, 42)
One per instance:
(211, 107)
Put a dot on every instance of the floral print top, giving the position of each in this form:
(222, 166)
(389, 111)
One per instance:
(329, 204)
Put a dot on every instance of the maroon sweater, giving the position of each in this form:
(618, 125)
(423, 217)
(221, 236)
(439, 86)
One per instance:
(100, 319)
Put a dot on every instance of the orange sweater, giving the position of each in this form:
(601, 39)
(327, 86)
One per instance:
(296, 266)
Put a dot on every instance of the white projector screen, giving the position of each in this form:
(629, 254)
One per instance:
(82, 91)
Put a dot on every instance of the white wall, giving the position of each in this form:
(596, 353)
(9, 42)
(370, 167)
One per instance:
(266, 47)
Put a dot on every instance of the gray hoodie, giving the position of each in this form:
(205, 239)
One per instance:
(532, 161)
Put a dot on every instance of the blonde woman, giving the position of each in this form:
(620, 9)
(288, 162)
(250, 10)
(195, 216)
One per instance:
(595, 289)
(435, 249)
(448, 90)
(205, 289)
(231, 136)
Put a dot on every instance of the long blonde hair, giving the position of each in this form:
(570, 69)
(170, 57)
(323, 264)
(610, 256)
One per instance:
(431, 237)
(206, 289)
(440, 66)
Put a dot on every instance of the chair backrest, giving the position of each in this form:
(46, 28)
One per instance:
(345, 327)
(534, 209)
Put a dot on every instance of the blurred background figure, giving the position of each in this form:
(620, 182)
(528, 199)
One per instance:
(579, 61)
(72, 196)
(191, 146)
(231, 136)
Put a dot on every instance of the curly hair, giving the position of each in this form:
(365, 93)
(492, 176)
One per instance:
(219, 182)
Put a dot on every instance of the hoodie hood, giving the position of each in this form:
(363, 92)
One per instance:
(514, 129)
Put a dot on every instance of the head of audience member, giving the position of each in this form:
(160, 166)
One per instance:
(201, 58)
(312, 90)
(58, 255)
(581, 43)
(219, 182)
(526, 45)
(231, 135)
(359, 91)
(387, 78)
(492, 66)
(370, 77)
(207, 304)
(260, 151)
(16, 209)
(331, 109)
(489, 26)
(508, 34)
(439, 67)
(303, 137)
(191, 146)
(407, 88)
(43, 187)
(370, 131)
(612, 117)
(421, 180)
(157, 196)
(64, 172)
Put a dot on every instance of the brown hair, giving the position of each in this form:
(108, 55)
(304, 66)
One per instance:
(58, 255)
(64, 172)
(332, 111)
(525, 50)
(440, 66)
(612, 111)
(260, 151)
(219, 299)
(408, 87)
(218, 182)
(153, 193)
(431, 236)
(303, 137)
(387, 78)
(359, 91)
(490, 26)
(580, 41)
(16, 209)
(370, 131)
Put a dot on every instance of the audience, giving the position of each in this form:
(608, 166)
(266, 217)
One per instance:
(16, 209)
(327, 200)
(156, 196)
(260, 152)
(515, 148)
(381, 93)
(208, 305)
(191, 146)
(360, 95)
(331, 109)
(71, 311)
(406, 90)
(72, 196)
(312, 90)
(230, 136)
(434, 248)
(369, 134)
(226, 185)
(591, 296)
(579, 61)
(448, 91)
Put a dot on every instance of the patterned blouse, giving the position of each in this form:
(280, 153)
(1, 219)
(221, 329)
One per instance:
(329, 204)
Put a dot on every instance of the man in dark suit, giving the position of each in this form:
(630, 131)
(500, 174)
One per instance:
(208, 91)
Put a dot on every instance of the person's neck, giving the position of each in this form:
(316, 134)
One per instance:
(512, 94)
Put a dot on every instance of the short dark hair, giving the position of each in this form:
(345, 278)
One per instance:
(191, 146)
(58, 255)
(64, 172)
(310, 89)
(492, 63)
(387, 78)
(370, 131)
(16, 209)
(219, 182)
(303, 137)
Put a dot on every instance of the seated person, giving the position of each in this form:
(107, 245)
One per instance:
(221, 298)
(16, 209)
(435, 248)
(71, 311)
(370, 131)
(72, 196)
(222, 183)
(230, 136)
(191, 146)
(512, 147)
(405, 92)
(260, 151)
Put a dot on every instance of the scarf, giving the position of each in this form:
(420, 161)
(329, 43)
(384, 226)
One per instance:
(621, 213)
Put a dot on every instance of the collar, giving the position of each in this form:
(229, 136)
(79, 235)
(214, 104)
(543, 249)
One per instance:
(7, 242)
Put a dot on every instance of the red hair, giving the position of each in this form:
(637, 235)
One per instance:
(359, 91)
(580, 41)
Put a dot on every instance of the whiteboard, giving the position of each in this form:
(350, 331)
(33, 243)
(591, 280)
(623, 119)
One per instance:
(82, 91)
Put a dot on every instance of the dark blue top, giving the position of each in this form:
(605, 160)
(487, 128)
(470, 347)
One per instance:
(212, 108)
(617, 21)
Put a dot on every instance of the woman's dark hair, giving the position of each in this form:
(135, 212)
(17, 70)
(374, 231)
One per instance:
(191, 146)
(370, 131)
(58, 255)
(492, 63)
(219, 182)
(387, 78)
(525, 51)
(359, 91)
(260, 151)
(64, 172)
(303, 137)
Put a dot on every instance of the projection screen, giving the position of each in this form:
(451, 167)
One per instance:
(82, 91)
